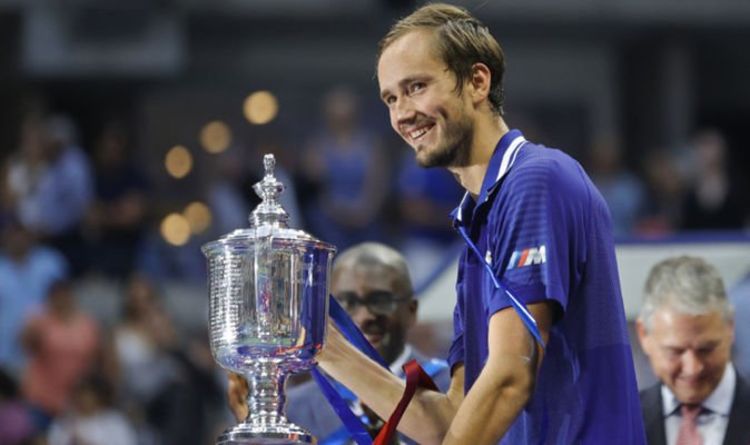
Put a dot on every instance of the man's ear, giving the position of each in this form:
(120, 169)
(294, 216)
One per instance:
(643, 339)
(481, 80)
(412, 308)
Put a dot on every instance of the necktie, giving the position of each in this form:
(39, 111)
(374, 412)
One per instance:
(688, 433)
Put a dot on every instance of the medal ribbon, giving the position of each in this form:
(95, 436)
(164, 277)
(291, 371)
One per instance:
(415, 377)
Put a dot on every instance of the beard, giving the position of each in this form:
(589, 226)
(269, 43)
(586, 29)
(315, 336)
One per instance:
(454, 149)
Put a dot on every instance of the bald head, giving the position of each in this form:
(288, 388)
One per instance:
(377, 259)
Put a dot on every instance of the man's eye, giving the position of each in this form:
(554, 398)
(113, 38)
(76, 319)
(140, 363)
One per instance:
(416, 86)
(390, 100)
(673, 352)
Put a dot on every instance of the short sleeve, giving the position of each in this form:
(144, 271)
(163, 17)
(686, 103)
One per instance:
(538, 235)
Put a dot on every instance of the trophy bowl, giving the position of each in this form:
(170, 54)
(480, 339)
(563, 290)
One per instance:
(268, 307)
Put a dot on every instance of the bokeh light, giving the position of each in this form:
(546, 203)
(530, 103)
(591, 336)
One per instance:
(178, 162)
(175, 229)
(215, 137)
(198, 216)
(261, 107)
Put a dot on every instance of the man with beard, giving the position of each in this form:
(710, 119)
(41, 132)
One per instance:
(371, 282)
(686, 328)
(540, 352)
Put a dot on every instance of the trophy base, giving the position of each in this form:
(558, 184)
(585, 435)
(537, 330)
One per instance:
(245, 434)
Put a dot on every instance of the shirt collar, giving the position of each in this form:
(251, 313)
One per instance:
(401, 361)
(502, 159)
(719, 401)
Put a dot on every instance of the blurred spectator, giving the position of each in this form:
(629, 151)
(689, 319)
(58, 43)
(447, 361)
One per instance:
(91, 419)
(349, 165)
(712, 200)
(739, 295)
(426, 196)
(6, 194)
(622, 190)
(163, 386)
(51, 185)
(16, 426)
(664, 190)
(27, 270)
(115, 222)
(283, 172)
(62, 344)
(141, 341)
(228, 201)
(231, 195)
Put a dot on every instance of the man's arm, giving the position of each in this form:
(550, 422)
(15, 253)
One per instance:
(429, 414)
(506, 381)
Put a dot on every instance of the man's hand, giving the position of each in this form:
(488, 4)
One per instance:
(237, 395)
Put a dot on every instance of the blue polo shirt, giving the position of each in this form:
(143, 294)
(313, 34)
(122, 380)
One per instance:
(546, 232)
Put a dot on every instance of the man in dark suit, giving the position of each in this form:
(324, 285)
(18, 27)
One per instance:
(371, 281)
(686, 328)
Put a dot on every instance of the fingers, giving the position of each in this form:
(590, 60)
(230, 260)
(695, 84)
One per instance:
(237, 392)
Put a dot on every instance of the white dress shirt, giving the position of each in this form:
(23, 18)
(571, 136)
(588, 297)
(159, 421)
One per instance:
(712, 425)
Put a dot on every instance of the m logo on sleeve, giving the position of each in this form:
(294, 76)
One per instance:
(528, 257)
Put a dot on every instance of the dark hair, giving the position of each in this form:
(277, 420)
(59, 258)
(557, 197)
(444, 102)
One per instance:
(461, 41)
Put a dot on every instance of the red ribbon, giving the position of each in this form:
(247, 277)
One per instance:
(416, 377)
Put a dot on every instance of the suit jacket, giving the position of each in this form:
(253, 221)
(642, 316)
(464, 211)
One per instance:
(738, 428)
(308, 407)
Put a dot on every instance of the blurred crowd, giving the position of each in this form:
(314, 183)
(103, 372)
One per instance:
(70, 212)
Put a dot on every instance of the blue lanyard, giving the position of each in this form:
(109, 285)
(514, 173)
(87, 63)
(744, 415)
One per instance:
(523, 313)
(339, 404)
(342, 435)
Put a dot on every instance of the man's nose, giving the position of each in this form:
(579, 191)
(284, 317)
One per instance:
(691, 363)
(361, 313)
(403, 110)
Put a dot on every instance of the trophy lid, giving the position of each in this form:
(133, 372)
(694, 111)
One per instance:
(267, 220)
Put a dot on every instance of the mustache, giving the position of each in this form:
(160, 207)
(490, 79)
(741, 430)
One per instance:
(373, 327)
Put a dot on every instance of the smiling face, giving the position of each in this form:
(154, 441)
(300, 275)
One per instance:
(425, 108)
(386, 332)
(688, 353)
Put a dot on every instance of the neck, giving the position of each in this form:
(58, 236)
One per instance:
(487, 133)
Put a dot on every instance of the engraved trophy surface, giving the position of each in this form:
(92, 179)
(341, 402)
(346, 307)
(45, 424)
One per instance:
(268, 306)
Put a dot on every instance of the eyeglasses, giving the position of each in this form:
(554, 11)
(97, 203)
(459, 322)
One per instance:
(377, 302)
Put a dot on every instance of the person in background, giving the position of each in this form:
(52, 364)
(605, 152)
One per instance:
(623, 191)
(116, 219)
(91, 418)
(51, 184)
(425, 198)
(349, 166)
(713, 200)
(27, 270)
(371, 281)
(686, 329)
(739, 295)
(16, 423)
(62, 344)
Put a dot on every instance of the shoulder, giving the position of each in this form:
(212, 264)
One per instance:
(305, 393)
(540, 166)
(742, 390)
(651, 400)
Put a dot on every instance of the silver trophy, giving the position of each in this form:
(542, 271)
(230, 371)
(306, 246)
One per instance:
(268, 290)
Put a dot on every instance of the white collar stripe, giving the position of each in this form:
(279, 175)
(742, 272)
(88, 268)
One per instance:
(509, 156)
(461, 207)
